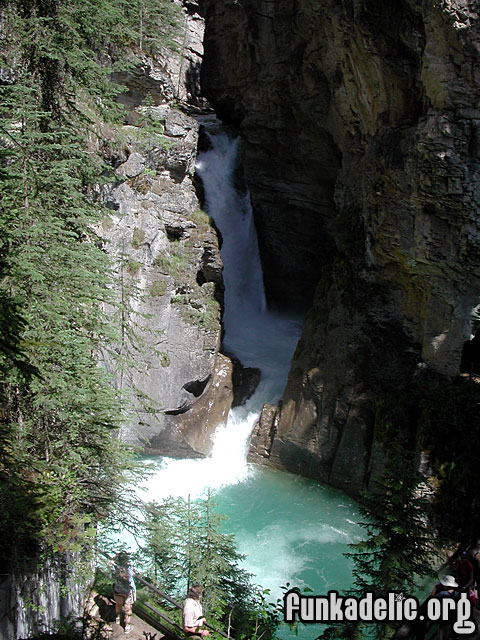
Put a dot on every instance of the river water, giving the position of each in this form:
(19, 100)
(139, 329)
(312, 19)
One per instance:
(291, 529)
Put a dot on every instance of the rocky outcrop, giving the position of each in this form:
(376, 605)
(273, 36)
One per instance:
(170, 283)
(263, 434)
(166, 256)
(361, 151)
(34, 599)
(189, 430)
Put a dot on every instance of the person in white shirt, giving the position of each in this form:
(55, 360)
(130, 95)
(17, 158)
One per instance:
(192, 615)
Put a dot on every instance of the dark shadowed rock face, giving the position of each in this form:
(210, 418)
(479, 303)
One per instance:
(361, 136)
(245, 380)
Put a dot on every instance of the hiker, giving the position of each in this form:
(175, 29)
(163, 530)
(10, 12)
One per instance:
(474, 557)
(464, 571)
(124, 590)
(192, 615)
(447, 588)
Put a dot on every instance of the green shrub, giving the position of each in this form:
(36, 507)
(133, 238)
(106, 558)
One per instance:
(138, 238)
(158, 288)
(201, 219)
(210, 317)
(133, 267)
(175, 265)
(164, 359)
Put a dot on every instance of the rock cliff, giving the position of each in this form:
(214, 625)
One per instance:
(37, 597)
(361, 128)
(167, 261)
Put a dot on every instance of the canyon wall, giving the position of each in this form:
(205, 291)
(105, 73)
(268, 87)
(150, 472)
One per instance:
(37, 597)
(361, 136)
(166, 256)
(169, 293)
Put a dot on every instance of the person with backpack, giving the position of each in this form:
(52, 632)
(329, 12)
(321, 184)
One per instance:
(124, 590)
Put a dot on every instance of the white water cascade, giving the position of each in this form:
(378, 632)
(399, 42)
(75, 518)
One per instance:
(289, 529)
(257, 337)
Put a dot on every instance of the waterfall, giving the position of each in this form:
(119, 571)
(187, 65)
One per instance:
(256, 336)
(289, 528)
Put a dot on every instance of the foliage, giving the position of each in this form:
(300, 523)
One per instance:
(58, 457)
(207, 316)
(164, 359)
(158, 288)
(405, 517)
(400, 546)
(74, 629)
(185, 545)
(133, 267)
(440, 417)
(138, 237)
(202, 220)
(61, 465)
(177, 264)
(156, 23)
(449, 430)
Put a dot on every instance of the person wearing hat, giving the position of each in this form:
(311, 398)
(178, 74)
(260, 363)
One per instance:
(447, 588)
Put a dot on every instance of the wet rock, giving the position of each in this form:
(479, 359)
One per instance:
(245, 381)
(263, 434)
(189, 429)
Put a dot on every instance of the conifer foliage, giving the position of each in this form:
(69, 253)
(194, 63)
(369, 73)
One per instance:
(60, 467)
(400, 545)
(185, 545)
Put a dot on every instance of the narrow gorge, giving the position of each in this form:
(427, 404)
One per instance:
(359, 127)
(360, 124)
(346, 134)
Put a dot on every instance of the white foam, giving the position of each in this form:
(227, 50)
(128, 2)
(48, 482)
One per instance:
(256, 336)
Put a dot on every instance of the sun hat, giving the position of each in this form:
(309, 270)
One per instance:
(448, 581)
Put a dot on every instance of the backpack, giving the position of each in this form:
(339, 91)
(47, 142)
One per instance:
(122, 580)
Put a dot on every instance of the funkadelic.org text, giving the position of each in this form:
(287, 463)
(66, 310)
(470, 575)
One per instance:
(395, 607)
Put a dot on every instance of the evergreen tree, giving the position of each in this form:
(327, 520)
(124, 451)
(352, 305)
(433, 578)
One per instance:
(400, 547)
(185, 545)
(60, 467)
(57, 424)
(449, 430)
